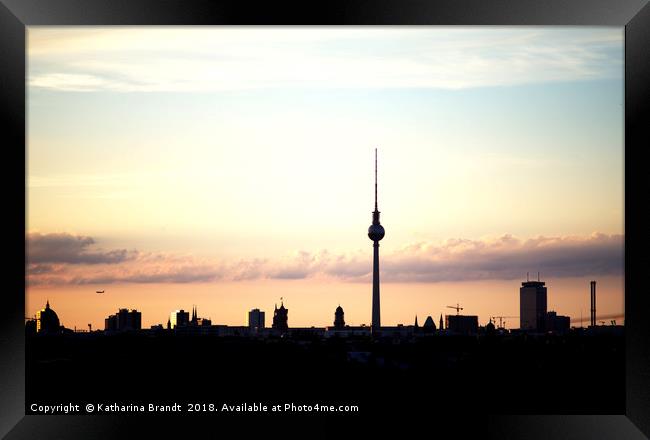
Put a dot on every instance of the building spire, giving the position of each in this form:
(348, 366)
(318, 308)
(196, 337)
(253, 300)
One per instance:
(375, 214)
(376, 180)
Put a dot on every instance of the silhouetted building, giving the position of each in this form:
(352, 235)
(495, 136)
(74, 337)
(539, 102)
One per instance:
(440, 327)
(399, 331)
(47, 320)
(416, 326)
(532, 306)
(124, 320)
(462, 324)
(375, 233)
(556, 323)
(490, 330)
(195, 321)
(30, 327)
(179, 318)
(281, 318)
(110, 323)
(339, 322)
(347, 331)
(429, 326)
(256, 320)
(307, 332)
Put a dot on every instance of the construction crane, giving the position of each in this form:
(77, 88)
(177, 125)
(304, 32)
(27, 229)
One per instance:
(501, 321)
(457, 307)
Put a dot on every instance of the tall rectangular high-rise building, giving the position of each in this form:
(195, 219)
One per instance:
(255, 319)
(179, 318)
(532, 306)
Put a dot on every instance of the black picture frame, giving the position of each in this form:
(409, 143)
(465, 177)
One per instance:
(634, 15)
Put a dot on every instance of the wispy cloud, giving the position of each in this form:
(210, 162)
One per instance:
(67, 259)
(224, 59)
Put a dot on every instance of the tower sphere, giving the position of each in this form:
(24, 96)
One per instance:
(376, 232)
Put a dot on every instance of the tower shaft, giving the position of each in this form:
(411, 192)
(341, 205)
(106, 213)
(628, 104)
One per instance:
(376, 314)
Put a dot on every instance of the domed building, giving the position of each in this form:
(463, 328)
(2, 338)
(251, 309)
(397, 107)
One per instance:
(489, 328)
(339, 322)
(47, 321)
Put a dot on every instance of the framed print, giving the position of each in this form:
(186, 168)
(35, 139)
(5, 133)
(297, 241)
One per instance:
(235, 213)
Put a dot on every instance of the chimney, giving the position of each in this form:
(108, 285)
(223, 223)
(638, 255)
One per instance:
(593, 303)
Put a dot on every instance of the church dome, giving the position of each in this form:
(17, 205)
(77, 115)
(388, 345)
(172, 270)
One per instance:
(47, 321)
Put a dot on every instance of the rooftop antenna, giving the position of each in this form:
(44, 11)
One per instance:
(527, 277)
(538, 276)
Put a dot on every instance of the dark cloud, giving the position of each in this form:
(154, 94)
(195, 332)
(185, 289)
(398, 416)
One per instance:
(40, 269)
(70, 249)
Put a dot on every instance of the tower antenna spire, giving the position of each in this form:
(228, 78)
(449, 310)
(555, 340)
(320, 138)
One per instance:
(375, 179)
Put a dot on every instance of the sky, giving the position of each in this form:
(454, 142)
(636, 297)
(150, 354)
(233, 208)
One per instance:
(229, 167)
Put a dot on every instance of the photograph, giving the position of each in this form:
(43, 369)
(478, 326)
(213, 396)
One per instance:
(249, 219)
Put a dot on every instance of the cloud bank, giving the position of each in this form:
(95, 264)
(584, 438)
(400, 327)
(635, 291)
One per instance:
(65, 259)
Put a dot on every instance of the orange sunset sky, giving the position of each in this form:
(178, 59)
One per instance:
(229, 167)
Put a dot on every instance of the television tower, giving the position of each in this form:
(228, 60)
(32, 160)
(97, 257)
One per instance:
(375, 233)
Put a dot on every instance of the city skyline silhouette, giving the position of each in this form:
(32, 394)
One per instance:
(257, 187)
